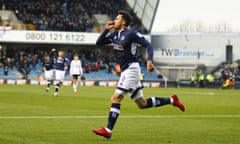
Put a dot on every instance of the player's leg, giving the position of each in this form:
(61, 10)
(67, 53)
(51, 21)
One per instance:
(48, 85)
(57, 87)
(115, 107)
(48, 77)
(137, 95)
(74, 85)
(57, 84)
(114, 111)
(112, 116)
(59, 79)
(78, 82)
(127, 82)
(156, 101)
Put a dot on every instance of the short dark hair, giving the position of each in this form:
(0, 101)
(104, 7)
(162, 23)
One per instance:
(126, 16)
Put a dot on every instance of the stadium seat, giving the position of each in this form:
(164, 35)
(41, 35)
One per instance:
(12, 74)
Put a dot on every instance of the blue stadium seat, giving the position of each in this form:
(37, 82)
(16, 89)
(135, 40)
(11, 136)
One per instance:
(35, 72)
(99, 75)
(149, 76)
(12, 74)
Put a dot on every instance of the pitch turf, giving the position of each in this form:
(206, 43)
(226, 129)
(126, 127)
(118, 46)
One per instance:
(29, 115)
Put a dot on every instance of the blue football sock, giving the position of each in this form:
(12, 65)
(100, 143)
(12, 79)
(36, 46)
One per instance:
(57, 86)
(157, 101)
(113, 115)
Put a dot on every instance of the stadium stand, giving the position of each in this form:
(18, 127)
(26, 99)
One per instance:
(12, 74)
(27, 63)
(60, 15)
(149, 76)
(102, 74)
(66, 15)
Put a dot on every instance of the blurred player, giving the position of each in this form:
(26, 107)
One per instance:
(76, 72)
(125, 49)
(60, 66)
(48, 71)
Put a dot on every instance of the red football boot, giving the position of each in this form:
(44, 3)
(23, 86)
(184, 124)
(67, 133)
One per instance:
(177, 103)
(102, 132)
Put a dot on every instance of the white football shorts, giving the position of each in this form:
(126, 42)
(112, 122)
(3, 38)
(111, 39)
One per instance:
(48, 74)
(129, 82)
(59, 75)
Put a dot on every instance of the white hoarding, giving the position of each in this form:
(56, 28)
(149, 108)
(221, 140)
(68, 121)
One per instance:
(207, 49)
(48, 37)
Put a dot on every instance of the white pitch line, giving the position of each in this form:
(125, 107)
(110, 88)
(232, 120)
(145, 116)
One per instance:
(103, 117)
(198, 93)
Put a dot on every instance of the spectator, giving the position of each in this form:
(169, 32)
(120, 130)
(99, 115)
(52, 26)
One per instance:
(192, 80)
(96, 66)
(87, 68)
(5, 69)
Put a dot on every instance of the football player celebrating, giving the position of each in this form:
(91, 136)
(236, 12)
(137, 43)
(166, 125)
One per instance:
(60, 66)
(48, 71)
(76, 72)
(125, 42)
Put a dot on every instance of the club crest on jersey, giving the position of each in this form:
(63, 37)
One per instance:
(118, 47)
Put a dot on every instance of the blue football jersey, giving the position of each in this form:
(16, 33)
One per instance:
(60, 63)
(48, 64)
(125, 45)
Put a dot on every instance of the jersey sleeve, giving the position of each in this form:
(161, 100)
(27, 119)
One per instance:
(140, 39)
(104, 38)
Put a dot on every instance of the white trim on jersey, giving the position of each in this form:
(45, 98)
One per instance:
(76, 67)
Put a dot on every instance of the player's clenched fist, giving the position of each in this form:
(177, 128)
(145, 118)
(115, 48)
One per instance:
(150, 67)
(109, 25)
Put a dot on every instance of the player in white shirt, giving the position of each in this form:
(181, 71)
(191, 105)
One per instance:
(76, 72)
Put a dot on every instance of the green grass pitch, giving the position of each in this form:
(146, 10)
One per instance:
(29, 115)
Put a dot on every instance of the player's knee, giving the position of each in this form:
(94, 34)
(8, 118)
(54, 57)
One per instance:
(116, 98)
(141, 103)
(141, 106)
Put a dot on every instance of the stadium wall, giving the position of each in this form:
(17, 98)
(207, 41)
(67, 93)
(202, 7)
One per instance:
(7, 35)
(47, 37)
(169, 48)
(146, 84)
(194, 48)
(156, 84)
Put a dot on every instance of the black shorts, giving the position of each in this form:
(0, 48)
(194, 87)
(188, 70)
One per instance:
(76, 76)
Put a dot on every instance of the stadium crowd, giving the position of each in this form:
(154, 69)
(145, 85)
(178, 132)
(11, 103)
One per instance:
(65, 15)
(26, 59)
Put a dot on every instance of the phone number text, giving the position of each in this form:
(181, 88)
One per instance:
(41, 36)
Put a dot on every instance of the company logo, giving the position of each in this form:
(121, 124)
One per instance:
(118, 47)
(179, 52)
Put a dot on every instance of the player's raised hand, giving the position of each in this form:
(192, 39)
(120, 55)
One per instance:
(109, 25)
(150, 67)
